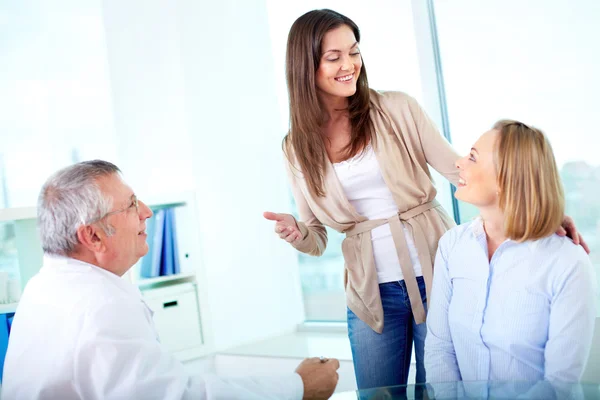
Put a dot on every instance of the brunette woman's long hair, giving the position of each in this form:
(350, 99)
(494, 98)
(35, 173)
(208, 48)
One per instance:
(304, 139)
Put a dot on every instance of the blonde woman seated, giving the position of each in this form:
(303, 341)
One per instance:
(511, 300)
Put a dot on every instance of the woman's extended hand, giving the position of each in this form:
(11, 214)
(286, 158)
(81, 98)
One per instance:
(285, 226)
(568, 228)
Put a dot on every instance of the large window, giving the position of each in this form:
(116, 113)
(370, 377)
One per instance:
(55, 107)
(390, 55)
(534, 61)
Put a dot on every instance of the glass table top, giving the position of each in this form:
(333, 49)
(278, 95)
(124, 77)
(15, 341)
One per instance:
(478, 390)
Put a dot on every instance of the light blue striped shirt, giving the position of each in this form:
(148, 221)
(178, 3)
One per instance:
(526, 315)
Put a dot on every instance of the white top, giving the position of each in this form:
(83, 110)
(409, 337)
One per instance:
(363, 184)
(83, 332)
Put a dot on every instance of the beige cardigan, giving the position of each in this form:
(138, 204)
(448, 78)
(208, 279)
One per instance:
(406, 140)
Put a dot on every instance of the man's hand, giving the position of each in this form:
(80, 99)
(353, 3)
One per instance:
(319, 378)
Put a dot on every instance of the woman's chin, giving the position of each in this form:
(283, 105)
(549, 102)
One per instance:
(459, 194)
(348, 91)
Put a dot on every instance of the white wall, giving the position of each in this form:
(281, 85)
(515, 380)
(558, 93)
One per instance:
(147, 87)
(55, 103)
(195, 107)
(232, 117)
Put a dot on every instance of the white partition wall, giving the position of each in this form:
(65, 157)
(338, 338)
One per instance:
(238, 166)
(192, 82)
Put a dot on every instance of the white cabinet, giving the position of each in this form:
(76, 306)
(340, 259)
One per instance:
(176, 315)
(29, 248)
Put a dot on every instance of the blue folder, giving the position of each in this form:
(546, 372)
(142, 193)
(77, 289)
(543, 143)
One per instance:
(146, 265)
(166, 265)
(5, 322)
(176, 265)
(163, 256)
(157, 242)
(170, 252)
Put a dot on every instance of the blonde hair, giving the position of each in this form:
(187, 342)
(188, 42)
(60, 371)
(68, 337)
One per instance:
(531, 193)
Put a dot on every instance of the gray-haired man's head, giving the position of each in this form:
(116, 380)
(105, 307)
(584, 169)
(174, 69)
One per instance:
(70, 198)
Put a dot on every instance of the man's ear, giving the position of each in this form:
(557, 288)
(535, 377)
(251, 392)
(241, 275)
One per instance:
(91, 238)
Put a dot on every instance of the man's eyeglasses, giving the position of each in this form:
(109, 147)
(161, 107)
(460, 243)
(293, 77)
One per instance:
(134, 203)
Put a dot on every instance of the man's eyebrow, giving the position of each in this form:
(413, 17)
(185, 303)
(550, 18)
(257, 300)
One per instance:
(130, 200)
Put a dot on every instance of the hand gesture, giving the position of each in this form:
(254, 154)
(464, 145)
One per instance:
(285, 226)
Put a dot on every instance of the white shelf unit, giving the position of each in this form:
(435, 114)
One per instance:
(17, 213)
(29, 248)
(183, 277)
(187, 238)
(29, 254)
(8, 308)
(180, 308)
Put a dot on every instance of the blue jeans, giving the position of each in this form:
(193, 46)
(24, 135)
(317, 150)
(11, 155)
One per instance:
(384, 359)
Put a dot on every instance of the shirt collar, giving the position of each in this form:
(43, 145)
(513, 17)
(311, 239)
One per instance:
(72, 264)
(479, 234)
(477, 227)
(478, 230)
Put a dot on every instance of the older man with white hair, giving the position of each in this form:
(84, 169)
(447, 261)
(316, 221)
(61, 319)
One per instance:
(83, 332)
